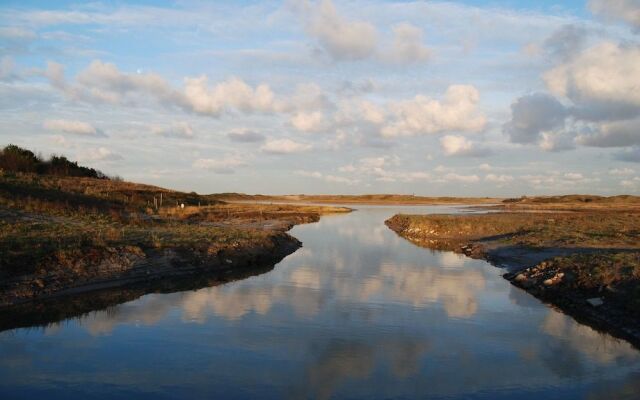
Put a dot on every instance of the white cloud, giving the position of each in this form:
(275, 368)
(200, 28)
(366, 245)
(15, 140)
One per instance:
(98, 154)
(176, 130)
(573, 176)
(16, 33)
(245, 136)
(72, 127)
(328, 177)
(631, 154)
(454, 177)
(224, 165)
(285, 146)
(422, 116)
(556, 141)
(531, 115)
(601, 76)
(499, 179)
(621, 171)
(613, 134)
(313, 121)
(104, 82)
(7, 69)
(225, 96)
(407, 46)
(626, 10)
(461, 146)
(631, 183)
(341, 38)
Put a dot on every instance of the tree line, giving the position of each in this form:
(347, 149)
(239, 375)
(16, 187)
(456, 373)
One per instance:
(16, 159)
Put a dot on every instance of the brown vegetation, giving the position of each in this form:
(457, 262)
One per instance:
(586, 263)
(381, 199)
(58, 233)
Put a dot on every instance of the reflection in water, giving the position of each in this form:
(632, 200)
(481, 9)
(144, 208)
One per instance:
(357, 312)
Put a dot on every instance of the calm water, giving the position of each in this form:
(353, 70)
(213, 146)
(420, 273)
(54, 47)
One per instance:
(356, 313)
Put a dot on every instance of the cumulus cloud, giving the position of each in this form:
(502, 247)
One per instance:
(285, 146)
(631, 154)
(461, 146)
(245, 136)
(346, 39)
(533, 114)
(408, 46)
(454, 177)
(604, 79)
(621, 171)
(565, 42)
(384, 169)
(98, 154)
(181, 130)
(498, 179)
(104, 82)
(556, 141)
(421, 115)
(7, 69)
(308, 121)
(327, 177)
(632, 183)
(72, 127)
(613, 134)
(341, 38)
(224, 165)
(225, 96)
(16, 33)
(625, 10)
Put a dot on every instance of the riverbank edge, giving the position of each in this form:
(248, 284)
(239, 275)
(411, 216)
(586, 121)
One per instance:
(520, 262)
(123, 266)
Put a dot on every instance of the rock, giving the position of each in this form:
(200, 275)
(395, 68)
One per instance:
(549, 282)
(228, 261)
(520, 278)
(595, 302)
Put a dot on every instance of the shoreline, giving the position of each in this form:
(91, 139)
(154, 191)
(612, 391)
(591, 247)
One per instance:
(533, 270)
(131, 265)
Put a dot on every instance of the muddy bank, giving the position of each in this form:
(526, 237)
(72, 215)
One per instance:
(597, 283)
(115, 267)
(47, 311)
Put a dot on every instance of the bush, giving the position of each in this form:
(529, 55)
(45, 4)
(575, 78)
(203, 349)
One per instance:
(17, 159)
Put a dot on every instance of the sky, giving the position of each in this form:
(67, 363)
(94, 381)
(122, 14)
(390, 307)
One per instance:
(460, 98)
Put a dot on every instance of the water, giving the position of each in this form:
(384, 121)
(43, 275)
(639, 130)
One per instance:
(356, 313)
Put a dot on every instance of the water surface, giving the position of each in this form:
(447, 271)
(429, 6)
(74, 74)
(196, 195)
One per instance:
(358, 312)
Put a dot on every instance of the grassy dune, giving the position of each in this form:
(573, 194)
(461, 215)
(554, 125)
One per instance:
(380, 199)
(58, 233)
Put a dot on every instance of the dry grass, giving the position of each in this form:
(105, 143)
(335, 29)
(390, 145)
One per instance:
(574, 203)
(359, 199)
(46, 216)
(588, 229)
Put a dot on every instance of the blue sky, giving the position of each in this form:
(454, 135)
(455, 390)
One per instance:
(427, 97)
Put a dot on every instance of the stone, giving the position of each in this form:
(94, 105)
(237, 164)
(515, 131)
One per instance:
(520, 278)
(595, 302)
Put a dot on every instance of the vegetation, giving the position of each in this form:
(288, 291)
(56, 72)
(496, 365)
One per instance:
(359, 199)
(17, 159)
(59, 230)
(585, 229)
(573, 203)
